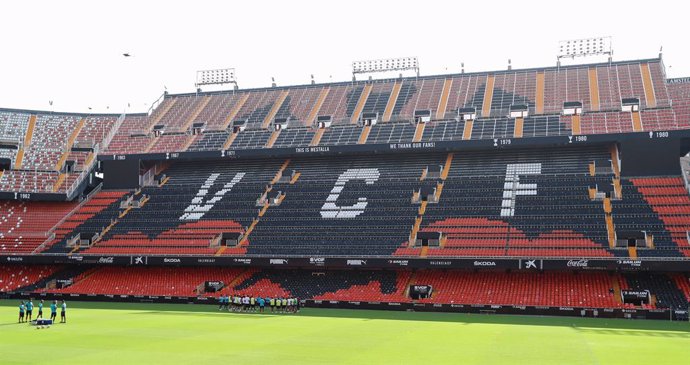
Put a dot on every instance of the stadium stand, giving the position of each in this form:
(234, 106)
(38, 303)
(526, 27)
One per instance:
(599, 87)
(384, 286)
(534, 219)
(131, 137)
(362, 201)
(363, 206)
(101, 204)
(14, 277)
(24, 226)
(540, 289)
(169, 220)
(548, 289)
(670, 205)
(147, 281)
(569, 204)
(664, 291)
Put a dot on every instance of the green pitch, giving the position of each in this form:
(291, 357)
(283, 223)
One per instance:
(107, 333)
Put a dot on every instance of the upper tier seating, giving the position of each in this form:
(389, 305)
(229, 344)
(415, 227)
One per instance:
(170, 143)
(294, 137)
(180, 115)
(129, 138)
(38, 145)
(680, 94)
(212, 141)
(13, 128)
(215, 114)
(95, 130)
(49, 141)
(344, 102)
(391, 133)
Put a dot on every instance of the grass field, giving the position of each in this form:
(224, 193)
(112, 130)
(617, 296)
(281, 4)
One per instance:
(109, 333)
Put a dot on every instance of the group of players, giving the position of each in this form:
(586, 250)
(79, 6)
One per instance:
(246, 303)
(26, 310)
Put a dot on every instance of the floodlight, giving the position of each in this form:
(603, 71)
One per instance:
(584, 47)
(216, 77)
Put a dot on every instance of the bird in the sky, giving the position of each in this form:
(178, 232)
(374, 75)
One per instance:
(127, 55)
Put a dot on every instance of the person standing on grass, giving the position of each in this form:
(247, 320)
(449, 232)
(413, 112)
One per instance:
(262, 303)
(29, 309)
(63, 317)
(40, 309)
(53, 310)
(21, 312)
(237, 302)
(245, 303)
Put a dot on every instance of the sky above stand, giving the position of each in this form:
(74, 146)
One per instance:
(70, 52)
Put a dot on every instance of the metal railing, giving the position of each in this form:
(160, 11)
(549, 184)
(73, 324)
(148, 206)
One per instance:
(113, 131)
(82, 175)
(50, 234)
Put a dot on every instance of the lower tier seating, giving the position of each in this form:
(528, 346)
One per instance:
(538, 289)
(148, 281)
(662, 287)
(13, 277)
(556, 289)
(327, 285)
